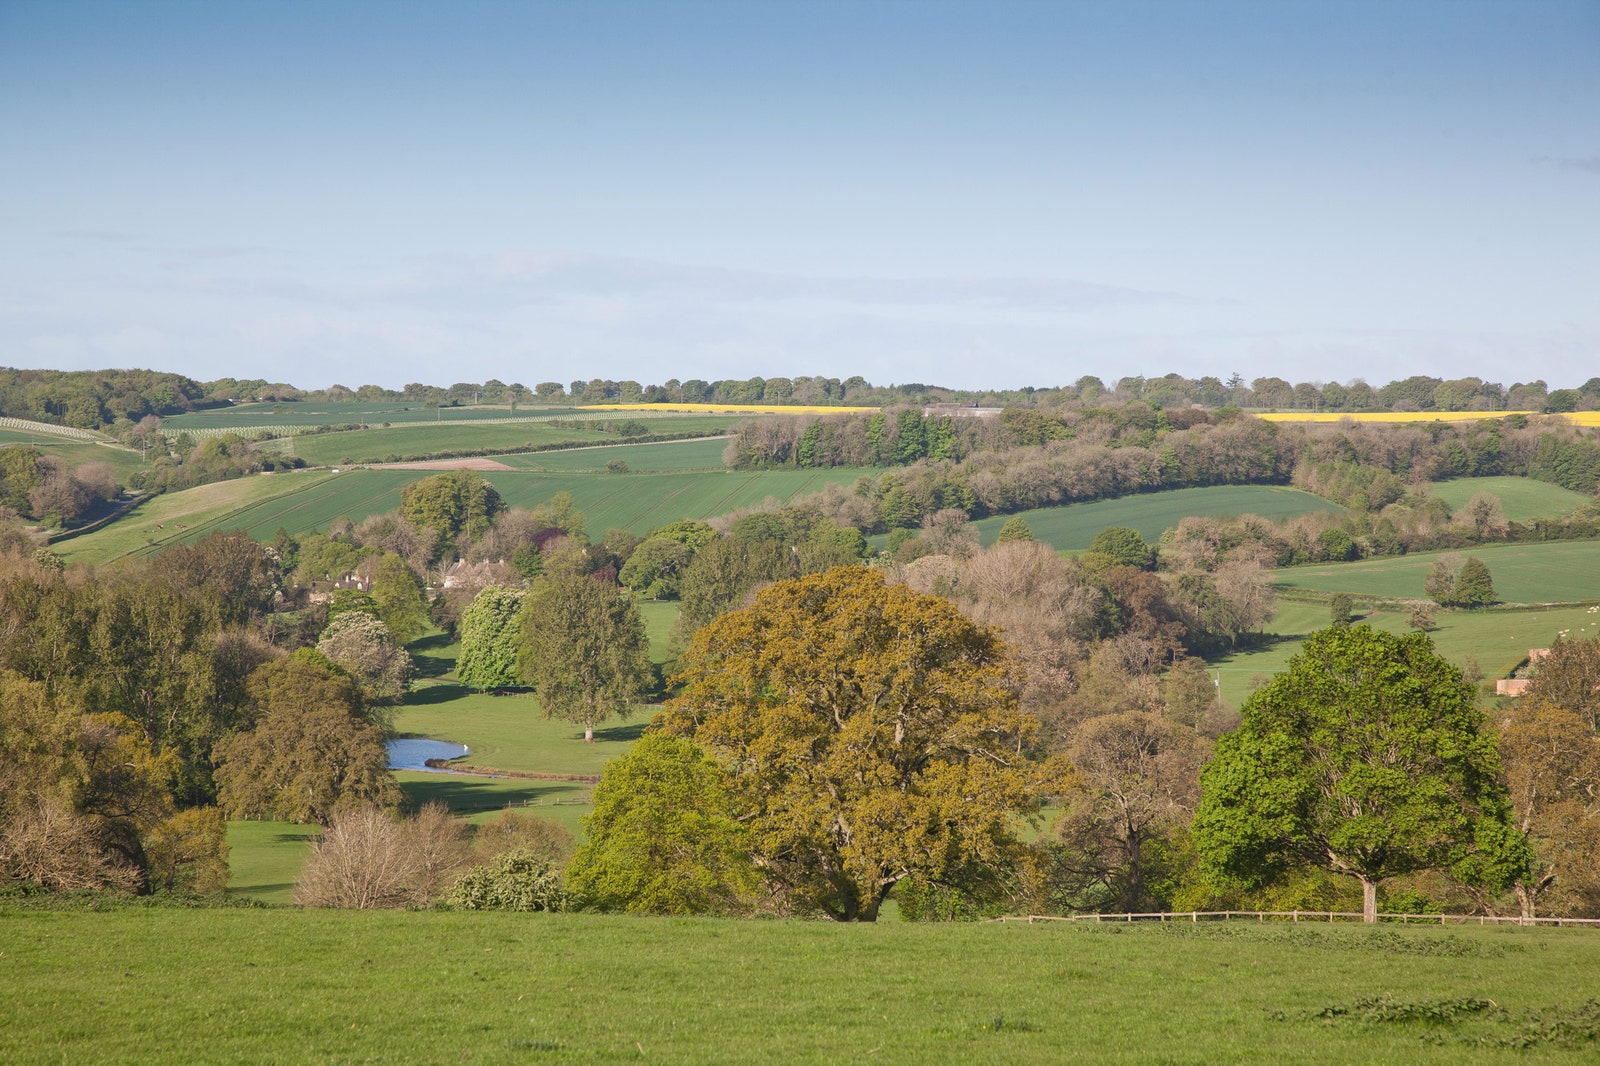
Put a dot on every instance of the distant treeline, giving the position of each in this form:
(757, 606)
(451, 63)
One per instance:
(1027, 459)
(95, 399)
(1417, 393)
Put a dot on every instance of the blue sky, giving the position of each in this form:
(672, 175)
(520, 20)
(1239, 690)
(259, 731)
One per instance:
(970, 194)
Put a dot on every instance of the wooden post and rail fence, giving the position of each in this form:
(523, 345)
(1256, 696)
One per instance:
(1300, 916)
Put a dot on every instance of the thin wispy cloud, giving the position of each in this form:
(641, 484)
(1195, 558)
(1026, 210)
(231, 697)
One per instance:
(540, 278)
(1589, 164)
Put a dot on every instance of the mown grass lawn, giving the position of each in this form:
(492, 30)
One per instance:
(175, 986)
(510, 732)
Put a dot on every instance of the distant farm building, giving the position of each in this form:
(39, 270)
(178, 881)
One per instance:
(960, 410)
(1516, 686)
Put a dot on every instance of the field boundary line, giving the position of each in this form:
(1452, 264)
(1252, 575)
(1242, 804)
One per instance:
(29, 426)
(1298, 916)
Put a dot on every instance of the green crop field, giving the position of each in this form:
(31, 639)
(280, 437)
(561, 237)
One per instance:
(1522, 498)
(303, 501)
(1554, 572)
(424, 439)
(175, 986)
(1072, 527)
(248, 416)
(1496, 639)
(670, 455)
(178, 517)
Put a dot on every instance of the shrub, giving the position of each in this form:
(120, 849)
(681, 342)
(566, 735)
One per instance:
(540, 837)
(516, 881)
(369, 859)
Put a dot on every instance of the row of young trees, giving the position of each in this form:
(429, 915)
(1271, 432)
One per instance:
(1416, 393)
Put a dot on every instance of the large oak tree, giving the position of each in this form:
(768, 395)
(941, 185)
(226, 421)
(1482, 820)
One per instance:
(870, 734)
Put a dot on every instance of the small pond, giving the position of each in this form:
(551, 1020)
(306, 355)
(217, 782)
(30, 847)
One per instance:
(413, 753)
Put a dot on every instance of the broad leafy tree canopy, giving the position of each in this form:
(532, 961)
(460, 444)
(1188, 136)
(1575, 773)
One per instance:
(871, 733)
(1366, 757)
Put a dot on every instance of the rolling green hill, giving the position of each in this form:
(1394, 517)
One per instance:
(302, 501)
(75, 452)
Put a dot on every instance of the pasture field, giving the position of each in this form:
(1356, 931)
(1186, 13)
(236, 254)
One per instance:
(76, 452)
(303, 501)
(1496, 639)
(658, 618)
(510, 732)
(1073, 526)
(290, 985)
(264, 858)
(1522, 498)
(667, 455)
(1550, 572)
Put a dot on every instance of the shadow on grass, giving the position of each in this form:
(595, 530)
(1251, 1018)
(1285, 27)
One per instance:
(309, 832)
(619, 734)
(256, 890)
(471, 795)
(433, 695)
(426, 657)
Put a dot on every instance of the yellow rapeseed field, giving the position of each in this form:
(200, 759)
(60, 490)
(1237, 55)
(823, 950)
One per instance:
(729, 408)
(1581, 418)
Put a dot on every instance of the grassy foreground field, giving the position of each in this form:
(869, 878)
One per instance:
(254, 986)
(1075, 525)
(1557, 572)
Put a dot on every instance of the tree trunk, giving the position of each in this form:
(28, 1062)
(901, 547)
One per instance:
(1133, 888)
(1524, 902)
(1369, 901)
(588, 732)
